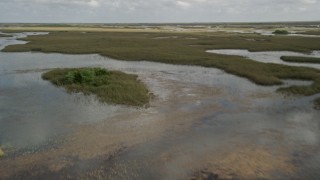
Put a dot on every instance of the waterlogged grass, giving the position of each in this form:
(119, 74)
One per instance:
(187, 49)
(299, 59)
(109, 86)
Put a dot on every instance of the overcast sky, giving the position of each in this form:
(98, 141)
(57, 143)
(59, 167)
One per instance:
(133, 11)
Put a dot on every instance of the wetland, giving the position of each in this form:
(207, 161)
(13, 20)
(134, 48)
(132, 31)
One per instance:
(220, 106)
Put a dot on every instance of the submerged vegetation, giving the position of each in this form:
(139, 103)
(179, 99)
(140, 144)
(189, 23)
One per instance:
(109, 86)
(299, 59)
(179, 48)
(284, 32)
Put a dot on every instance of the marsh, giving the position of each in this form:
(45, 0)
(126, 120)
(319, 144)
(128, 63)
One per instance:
(207, 112)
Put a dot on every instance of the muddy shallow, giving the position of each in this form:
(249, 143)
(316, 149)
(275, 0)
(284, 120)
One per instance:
(201, 119)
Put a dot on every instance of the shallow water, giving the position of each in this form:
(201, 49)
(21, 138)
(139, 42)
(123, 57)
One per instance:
(269, 56)
(27, 100)
(200, 118)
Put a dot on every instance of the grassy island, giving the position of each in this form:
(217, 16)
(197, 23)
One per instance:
(109, 86)
(298, 59)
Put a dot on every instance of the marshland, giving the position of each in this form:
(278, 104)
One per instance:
(167, 101)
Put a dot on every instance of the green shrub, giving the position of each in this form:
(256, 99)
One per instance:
(100, 72)
(280, 32)
(84, 75)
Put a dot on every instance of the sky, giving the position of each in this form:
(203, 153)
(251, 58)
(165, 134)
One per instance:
(157, 11)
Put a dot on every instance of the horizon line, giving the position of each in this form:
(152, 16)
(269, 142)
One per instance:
(222, 22)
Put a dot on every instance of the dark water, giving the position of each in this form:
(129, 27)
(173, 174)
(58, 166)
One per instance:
(243, 118)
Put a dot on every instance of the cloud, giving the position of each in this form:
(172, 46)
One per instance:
(309, 1)
(93, 3)
(157, 10)
(58, 2)
(183, 4)
(188, 3)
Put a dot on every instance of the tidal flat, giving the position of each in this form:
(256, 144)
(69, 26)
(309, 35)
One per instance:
(210, 115)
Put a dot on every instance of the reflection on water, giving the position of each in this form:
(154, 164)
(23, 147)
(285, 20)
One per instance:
(199, 118)
(32, 110)
(269, 56)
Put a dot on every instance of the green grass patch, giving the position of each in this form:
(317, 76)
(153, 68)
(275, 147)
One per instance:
(137, 46)
(109, 86)
(283, 32)
(300, 59)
